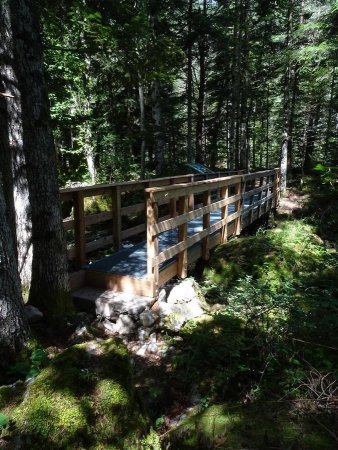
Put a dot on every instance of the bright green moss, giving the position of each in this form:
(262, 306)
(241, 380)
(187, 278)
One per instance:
(53, 417)
(83, 399)
(111, 395)
(248, 427)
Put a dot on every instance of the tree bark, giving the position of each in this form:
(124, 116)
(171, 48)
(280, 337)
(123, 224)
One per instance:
(200, 119)
(310, 136)
(158, 132)
(14, 331)
(15, 177)
(50, 286)
(286, 105)
(234, 91)
(329, 116)
(284, 163)
(189, 86)
(142, 125)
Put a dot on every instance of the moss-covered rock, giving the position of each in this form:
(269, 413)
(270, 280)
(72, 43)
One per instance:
(83, 399)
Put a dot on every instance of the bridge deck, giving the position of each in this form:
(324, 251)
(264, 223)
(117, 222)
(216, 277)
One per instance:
(229, 204)
(133, 261)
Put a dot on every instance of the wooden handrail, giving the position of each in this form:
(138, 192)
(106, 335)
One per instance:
(116, 191)
(264, 185)
(179, 194)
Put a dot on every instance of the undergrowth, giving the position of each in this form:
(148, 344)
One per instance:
(273, 337)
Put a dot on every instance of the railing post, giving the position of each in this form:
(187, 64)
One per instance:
(276, 188)
(152, 243)
(261, 183)
(240, 188)
(191, 196)
(206, 224)
(172, 204)
(224, 231)
(80, 228)
(117, 220)
(182, 259)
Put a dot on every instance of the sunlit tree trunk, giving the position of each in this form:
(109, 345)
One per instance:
(142, 125)
(49, 286)
(158, 132)
(15, 160)
(189, 86)
(329, 116)
(286, 105)
(14, 330)
(200, 119)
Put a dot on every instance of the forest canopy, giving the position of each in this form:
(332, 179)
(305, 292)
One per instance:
(141, 87)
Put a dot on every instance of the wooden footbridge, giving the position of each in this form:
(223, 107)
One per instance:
(156, 227)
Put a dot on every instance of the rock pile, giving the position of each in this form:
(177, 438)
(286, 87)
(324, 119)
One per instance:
(140, 318)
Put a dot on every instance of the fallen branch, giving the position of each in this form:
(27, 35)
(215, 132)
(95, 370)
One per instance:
(315, 344)
(5, 94)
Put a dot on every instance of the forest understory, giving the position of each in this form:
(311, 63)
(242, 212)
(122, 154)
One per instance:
(258, 372)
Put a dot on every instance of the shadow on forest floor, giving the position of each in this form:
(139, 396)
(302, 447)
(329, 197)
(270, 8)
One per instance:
(258, 372)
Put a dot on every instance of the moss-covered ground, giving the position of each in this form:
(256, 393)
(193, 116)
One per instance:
(84, 398)
(265, 363)
(259, 372)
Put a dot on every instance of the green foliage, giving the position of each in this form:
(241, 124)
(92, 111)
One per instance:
(99, 55)
(3, 420)
(329, 174)
(271, 286)
(30, 363)
(272, 336)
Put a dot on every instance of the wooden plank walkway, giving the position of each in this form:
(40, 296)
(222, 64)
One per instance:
(201, 215)
(133, 261)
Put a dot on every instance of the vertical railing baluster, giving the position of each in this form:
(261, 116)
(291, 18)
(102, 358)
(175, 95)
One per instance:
(206, 225)
(191, 200)
(224, 214)
(80, 228)
(182, 260)
(240, 188)
(117, 219)
(152, 243)
(172, 204)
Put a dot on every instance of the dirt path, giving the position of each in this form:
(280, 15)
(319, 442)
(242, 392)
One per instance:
(292, 203)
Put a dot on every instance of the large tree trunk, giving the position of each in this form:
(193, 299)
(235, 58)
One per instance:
(213, 153)
(234, 91)
(200, 119)
(329, 117)
(310, 136)
(142, 126)
(158, 132)
(15, 179)
(189, 86)
(288, 81)
(14, 330)
(49, 288)
(284, 163)
(87, 134)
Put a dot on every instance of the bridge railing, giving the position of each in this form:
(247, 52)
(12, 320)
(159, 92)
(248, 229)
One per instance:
(239, 200)
(127, 202)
